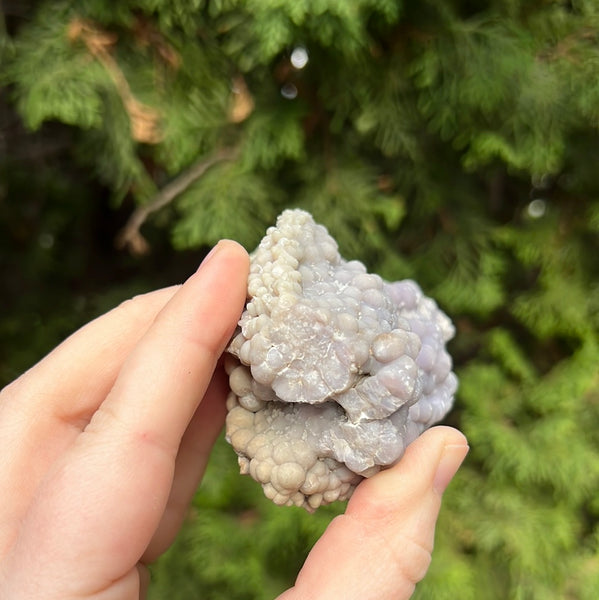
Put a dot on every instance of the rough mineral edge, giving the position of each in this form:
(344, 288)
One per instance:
(333, 371)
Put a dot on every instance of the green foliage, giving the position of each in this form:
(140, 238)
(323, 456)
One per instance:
(273, 137)
(61, 83)
(448, 141)
(221, 202)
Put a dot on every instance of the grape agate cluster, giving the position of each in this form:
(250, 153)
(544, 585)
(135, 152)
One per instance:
(333, 371)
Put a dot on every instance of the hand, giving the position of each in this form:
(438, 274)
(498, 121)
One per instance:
(105, 441)
(381, 547)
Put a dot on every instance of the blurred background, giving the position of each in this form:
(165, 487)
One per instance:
(454, 142)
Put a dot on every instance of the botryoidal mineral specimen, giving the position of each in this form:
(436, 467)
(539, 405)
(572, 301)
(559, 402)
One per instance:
(333, 371)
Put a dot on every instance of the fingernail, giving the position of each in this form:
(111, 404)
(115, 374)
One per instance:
(210, 255)
(452, 457)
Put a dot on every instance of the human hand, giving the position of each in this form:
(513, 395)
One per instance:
(105, 441)
(380, 548)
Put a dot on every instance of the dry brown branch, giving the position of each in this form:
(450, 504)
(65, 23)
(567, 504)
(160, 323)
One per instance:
(130, 236)
(148, 36)
(242, 103)
(145, 120)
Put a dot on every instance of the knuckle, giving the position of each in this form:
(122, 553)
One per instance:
(413, 558)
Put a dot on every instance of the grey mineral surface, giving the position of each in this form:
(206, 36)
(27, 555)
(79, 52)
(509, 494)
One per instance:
(333, 371)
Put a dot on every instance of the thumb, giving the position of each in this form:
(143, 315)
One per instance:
(381, 547)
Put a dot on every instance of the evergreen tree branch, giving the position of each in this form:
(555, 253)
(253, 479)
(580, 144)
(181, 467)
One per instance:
(130, 236)
(145, 120)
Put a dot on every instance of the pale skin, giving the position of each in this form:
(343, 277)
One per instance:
(105, 441)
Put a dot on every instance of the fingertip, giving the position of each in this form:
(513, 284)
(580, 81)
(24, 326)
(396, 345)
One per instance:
(232, 245)
(429, 463)
(443, 436)
(445, 447)
(227, 250)
(451, 459)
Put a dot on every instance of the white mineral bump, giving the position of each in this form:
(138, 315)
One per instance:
(335, 370)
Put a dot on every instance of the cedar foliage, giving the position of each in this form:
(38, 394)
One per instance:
(451, 141)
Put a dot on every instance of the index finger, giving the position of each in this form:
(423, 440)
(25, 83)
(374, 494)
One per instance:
(166, 375)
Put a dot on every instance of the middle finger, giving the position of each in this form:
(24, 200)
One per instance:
(46, 408)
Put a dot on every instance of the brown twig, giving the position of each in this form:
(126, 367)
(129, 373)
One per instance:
(130, 236)
(145, 120)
